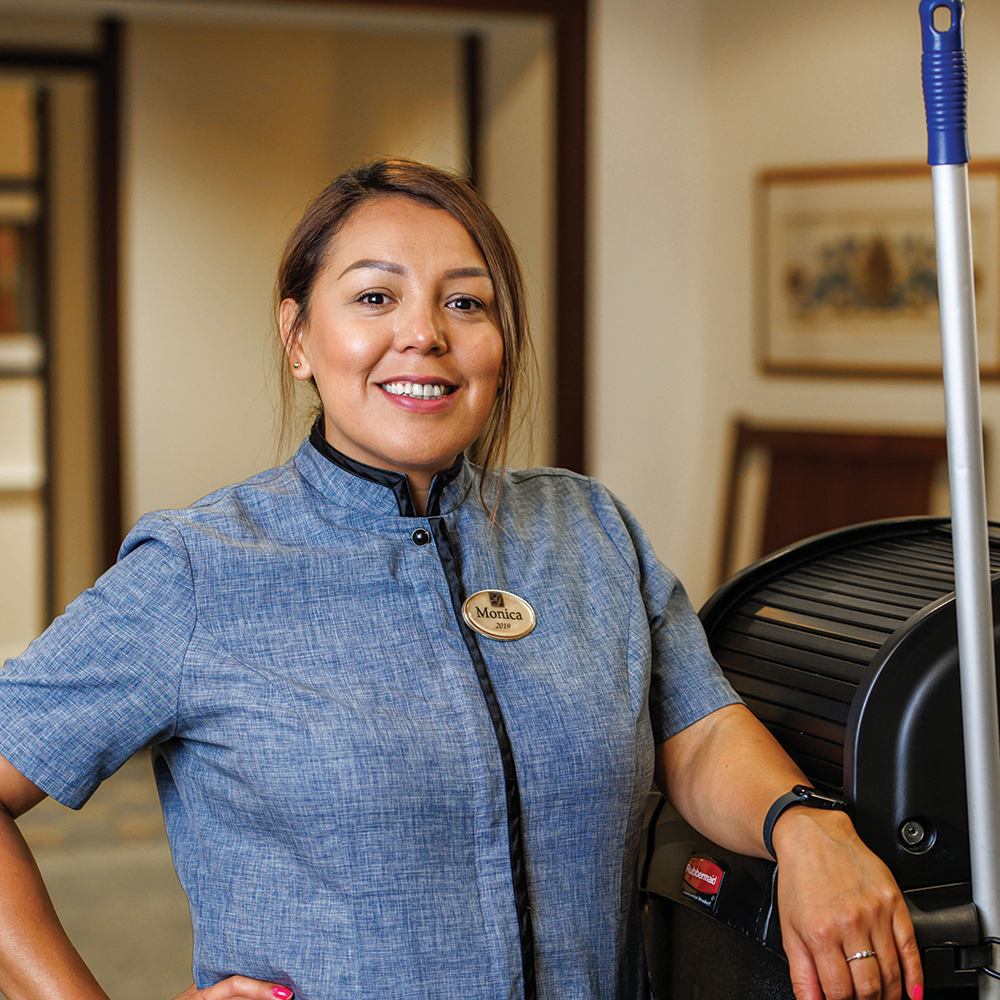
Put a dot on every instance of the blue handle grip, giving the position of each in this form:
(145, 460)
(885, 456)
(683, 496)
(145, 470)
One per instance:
(945, 84)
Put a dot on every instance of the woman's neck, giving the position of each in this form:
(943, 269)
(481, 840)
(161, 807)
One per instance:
(420, 488)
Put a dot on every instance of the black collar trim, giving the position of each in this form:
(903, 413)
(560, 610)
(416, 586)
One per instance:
(394, 481)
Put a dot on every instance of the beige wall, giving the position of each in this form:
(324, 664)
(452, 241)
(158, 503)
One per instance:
(648, 388)
(220, 159)
(692, 101)
(518, 183)
(398, 95)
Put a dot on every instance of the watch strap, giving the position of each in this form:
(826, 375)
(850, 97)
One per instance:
(800, 795)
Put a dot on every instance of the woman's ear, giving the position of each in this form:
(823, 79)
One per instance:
(291, 337)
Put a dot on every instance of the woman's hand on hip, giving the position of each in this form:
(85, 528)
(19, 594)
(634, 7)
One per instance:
(837, 901)
(238, 988)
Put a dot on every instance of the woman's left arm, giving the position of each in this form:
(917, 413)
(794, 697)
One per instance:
(835, 898)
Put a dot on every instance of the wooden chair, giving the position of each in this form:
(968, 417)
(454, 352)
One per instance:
(787, 483)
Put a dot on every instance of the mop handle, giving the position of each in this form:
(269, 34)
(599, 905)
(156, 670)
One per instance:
(945, 83)
(945, 87)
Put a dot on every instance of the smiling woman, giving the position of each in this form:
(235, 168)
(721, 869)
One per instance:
(399, 276)
(401, 343)
(403, 738)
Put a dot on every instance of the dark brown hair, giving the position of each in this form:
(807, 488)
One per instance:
(309, 248)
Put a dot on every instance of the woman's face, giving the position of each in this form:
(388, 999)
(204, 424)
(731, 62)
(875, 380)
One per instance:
(402, 338)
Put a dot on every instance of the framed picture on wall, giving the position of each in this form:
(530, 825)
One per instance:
(846, 278)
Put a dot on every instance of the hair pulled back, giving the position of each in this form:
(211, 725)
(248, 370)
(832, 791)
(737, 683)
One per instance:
(311, 243)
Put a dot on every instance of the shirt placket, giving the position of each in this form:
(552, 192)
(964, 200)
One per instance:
(451, 566)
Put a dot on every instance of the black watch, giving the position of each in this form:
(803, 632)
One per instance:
(800, 795)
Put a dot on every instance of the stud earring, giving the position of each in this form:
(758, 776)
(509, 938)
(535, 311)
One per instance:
(295, 364)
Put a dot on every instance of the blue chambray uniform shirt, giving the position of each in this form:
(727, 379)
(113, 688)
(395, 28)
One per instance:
(364, 799)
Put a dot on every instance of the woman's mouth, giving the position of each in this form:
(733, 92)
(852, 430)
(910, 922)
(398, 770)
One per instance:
(415, 390)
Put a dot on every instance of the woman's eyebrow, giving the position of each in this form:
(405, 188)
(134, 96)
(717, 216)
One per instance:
(394, 268)
(378, 265)
(468, 272)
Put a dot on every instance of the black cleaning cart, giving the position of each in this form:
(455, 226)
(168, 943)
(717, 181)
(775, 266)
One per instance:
(845, 646)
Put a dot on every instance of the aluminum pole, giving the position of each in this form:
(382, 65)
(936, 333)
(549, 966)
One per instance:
(944, 79)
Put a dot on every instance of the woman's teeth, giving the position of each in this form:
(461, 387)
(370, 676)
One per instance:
(416, 390)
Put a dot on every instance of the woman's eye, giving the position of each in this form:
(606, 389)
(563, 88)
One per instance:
(373, 299)
(465, 304)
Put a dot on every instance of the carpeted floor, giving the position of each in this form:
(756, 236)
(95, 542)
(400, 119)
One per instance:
(109, 872)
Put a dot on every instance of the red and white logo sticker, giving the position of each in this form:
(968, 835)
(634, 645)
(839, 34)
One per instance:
(704, 875)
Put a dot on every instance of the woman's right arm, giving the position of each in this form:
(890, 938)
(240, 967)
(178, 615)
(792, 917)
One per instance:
(37, 959)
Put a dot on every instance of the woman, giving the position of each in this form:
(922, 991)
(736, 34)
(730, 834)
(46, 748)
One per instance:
(405, 712)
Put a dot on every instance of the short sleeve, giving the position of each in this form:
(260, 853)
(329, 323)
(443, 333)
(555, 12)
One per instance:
(686, 683)
(103, 680)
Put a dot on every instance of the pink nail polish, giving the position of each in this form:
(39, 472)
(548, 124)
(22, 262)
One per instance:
(285, 994)
(918, 992)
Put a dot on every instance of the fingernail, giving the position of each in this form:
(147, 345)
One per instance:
(918, 992)
(285, 994)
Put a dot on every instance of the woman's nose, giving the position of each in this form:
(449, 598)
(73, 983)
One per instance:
(422, 329)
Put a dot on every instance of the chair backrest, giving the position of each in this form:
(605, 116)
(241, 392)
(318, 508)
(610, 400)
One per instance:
(787, 483)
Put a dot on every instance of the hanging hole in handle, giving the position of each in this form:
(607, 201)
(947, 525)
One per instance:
(941, 18)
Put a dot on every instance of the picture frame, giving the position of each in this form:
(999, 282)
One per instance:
(846, 274)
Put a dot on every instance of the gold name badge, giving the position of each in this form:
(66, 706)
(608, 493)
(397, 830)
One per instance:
(499, 614)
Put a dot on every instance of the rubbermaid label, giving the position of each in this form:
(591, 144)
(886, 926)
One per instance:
(703, 880)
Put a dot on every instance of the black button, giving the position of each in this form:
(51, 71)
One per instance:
(421, 536)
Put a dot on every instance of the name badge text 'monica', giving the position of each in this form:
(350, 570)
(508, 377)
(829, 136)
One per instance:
(499, 614)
